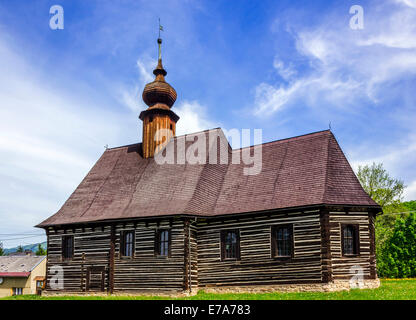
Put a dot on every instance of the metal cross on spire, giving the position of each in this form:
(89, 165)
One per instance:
(160, 28)
(159, 41)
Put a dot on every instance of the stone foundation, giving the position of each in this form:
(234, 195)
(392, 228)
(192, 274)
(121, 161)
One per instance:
(337, 285)
(118, 293)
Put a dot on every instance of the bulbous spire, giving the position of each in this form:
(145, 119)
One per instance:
(159, 92)
(158, 119)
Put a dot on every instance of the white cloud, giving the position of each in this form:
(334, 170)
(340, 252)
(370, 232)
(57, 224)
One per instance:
(410, 3)
(146, 65)
(193, 118)
(130, 95)
(397, 159)
(396, 29)
(346, 65)
(410, 191)
(315, 44)
(270, 99)
(348, 68)
(286, 72)
(315, 90)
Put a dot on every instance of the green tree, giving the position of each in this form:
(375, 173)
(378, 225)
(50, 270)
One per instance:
(1, 249)
(19, 249)
(387, 192)
(398, 258)
(40, 251)
(410, 205)
(382, 188)
(385, 223)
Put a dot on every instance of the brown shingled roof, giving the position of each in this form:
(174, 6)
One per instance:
(301, 171)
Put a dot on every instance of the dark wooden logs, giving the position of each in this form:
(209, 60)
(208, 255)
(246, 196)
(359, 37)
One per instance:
(112, 257)
(194, 259)
(326, 247)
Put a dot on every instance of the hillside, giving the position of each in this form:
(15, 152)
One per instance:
(33, 247)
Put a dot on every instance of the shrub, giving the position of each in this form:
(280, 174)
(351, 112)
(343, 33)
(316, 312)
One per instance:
(397, 255)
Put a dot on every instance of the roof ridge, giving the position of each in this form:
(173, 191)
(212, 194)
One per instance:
(124, 146)
(206, 130)
(285, 139)
(220, 129)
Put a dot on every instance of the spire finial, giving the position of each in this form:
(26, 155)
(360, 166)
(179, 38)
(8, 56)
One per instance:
(159, 41)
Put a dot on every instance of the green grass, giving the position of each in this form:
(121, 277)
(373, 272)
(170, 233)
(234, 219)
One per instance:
(389, 290)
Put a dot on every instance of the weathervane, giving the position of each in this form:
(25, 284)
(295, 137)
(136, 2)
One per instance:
(159, 41)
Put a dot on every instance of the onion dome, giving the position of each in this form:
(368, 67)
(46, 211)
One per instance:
(158, 92)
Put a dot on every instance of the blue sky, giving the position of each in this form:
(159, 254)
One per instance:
(287, 67)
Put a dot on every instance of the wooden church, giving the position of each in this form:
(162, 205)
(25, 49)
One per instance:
(134, 225)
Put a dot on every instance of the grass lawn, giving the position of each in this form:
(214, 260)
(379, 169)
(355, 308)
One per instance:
(389, 290)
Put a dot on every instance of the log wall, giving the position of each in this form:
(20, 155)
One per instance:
(343, 267)
(195, 255)
(256, 265)
(143, 272)
(91, 249)
(146, 271)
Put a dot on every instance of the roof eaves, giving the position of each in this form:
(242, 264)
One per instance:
(15, 274)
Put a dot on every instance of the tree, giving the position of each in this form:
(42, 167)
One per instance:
(410, 205)
(387, 192)
(40, 251)
(382, 188)
(1, 249)
(20, 249)
(398, 257)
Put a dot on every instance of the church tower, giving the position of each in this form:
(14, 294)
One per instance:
(159, 122)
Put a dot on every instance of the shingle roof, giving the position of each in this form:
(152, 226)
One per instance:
(18, 266)
(301, 171)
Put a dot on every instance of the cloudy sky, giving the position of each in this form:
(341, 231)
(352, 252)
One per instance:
(287, 67)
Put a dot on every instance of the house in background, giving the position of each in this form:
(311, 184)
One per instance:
(303, 222)
(21, 274)
(25, 253)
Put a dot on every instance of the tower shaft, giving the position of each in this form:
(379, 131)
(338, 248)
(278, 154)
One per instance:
(159, 121)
